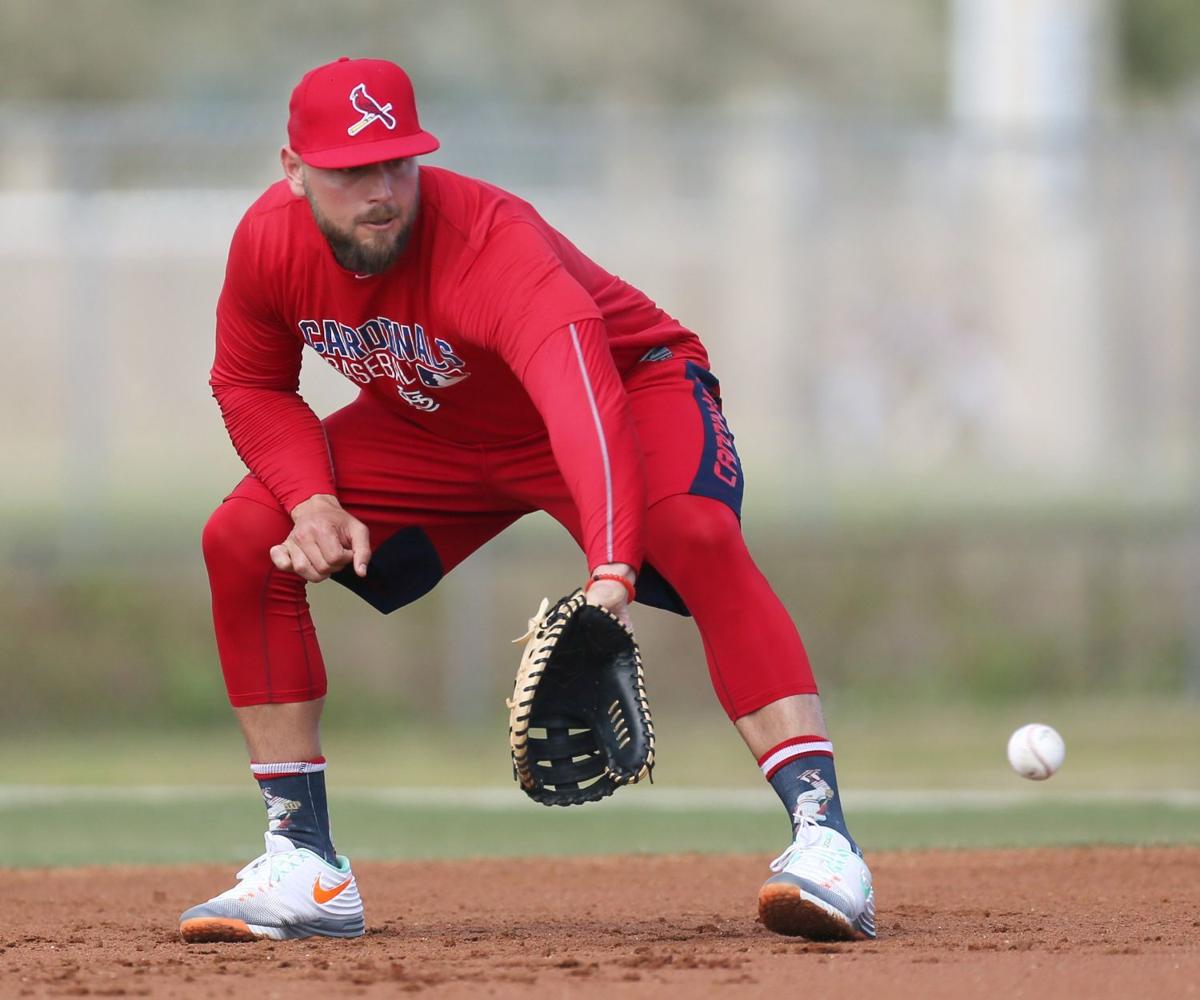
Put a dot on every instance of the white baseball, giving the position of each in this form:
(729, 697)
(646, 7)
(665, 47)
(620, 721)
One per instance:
(1036, 751)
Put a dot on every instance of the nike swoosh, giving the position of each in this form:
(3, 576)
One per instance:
(325, 895)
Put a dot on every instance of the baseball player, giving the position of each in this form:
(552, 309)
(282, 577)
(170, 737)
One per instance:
(500, 371)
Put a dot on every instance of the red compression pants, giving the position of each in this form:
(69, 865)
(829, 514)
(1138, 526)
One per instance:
(429, 503)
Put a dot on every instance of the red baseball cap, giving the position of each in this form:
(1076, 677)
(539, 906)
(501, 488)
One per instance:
(353, 112)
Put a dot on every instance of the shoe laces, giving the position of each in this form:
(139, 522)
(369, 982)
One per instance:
(808, 832)
(268, 868)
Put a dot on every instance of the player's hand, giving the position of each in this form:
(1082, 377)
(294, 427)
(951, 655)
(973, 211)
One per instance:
(325, 538)
(609, 594)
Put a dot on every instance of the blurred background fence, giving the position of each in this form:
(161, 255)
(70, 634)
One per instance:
(953, 308)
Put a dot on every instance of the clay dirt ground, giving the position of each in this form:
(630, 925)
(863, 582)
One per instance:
(1090, 922)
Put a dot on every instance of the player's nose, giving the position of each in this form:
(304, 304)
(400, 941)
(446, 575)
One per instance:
(380, 183)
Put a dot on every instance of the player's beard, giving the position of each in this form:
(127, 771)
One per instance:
(372, 254)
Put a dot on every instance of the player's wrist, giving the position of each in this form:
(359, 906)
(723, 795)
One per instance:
(615, 569)
(618, 582)
(316, 502)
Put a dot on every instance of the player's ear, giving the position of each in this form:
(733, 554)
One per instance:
(293, 170)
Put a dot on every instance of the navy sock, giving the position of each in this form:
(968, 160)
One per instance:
(801, 772)
(294, 792)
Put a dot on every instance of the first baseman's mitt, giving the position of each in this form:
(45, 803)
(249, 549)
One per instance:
(579, 725)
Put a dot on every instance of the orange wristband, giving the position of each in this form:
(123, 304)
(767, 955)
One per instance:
(629, 589)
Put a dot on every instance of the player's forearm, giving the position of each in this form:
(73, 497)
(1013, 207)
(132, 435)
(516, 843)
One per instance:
(575, 387)
(280, 439)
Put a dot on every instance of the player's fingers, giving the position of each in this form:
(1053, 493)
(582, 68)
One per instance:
(302, 564)
(328, 546)
(280, 558)
(313, 557)
(317, 542)
(360, 546)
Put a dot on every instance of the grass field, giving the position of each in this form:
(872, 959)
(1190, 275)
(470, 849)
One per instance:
(932, 777)
(129, 830)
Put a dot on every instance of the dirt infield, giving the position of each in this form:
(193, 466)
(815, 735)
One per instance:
(1095, 922)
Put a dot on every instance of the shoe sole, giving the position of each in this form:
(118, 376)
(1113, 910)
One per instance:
(788, 909)
(200, 930)
(203, 929)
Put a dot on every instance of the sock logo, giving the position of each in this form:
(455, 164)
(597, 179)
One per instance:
(814, 803)
(279, 810)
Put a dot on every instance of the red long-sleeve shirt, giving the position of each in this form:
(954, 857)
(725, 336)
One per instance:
(490, 327)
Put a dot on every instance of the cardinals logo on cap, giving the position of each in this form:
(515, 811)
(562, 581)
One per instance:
(370, 109)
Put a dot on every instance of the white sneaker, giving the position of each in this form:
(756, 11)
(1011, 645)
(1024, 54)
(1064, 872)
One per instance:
(288, 892)
(822, 890)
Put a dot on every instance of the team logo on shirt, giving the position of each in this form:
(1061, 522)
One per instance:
(370, 109)
(381, 348)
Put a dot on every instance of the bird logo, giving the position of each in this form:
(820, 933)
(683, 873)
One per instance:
(370, 109)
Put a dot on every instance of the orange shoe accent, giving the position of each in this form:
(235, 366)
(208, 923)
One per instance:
(202, 929)
(325, 895)
(783, 909)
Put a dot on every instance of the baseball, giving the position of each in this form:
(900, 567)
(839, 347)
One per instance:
(1036, 751)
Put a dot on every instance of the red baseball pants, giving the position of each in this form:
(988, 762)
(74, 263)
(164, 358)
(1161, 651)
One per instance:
(429, 503)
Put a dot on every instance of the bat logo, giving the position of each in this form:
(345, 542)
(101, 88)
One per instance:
(370, 109)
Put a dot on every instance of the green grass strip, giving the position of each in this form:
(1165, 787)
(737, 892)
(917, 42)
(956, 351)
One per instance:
(228, 828)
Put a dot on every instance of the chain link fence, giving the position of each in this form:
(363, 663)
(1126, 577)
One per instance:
(939, 348)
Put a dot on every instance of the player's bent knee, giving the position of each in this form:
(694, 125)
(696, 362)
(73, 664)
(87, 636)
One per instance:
(241, 533)
(703, 527)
